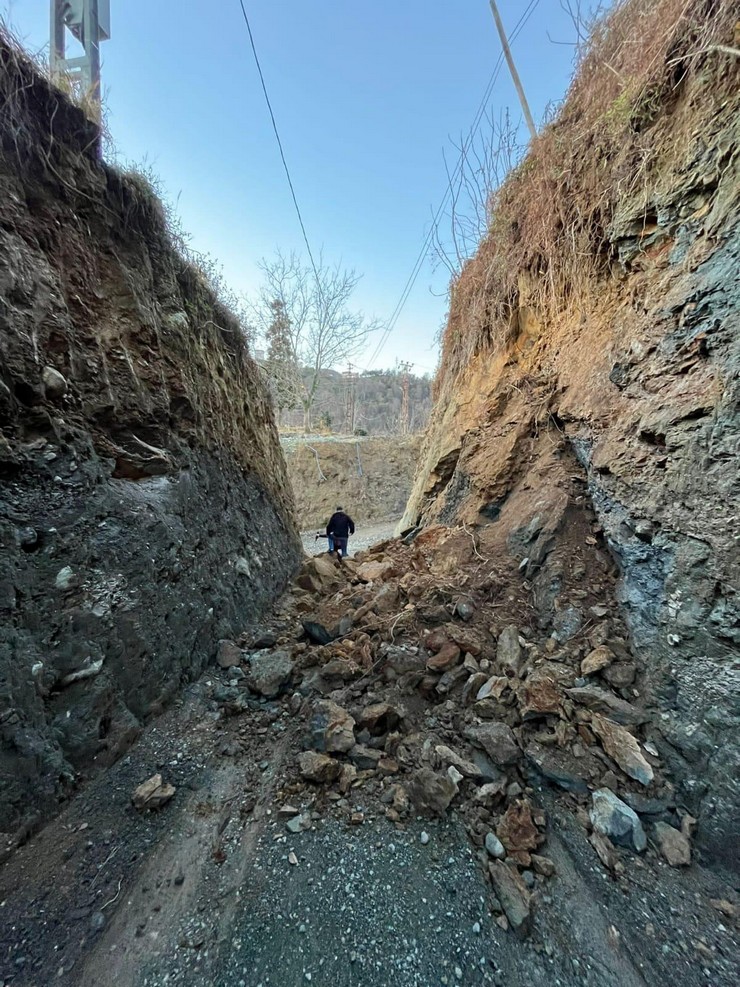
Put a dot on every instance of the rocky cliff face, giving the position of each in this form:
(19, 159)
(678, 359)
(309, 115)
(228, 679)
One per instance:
(588, 417)
(144, 507)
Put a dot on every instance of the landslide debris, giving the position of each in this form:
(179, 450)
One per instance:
(303, 825)
(419, 705)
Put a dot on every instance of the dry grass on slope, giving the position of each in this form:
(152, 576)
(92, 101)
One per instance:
(549, 234)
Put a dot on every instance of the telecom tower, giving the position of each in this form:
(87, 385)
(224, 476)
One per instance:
(350, 377)
(89, 22)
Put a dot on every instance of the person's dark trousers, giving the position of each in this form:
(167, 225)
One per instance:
(340, 545)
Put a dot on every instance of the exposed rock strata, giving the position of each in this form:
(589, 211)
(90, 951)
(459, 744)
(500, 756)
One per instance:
(144, 507)
(614, 426)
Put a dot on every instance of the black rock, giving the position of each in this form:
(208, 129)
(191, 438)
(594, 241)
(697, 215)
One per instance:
(316, 633)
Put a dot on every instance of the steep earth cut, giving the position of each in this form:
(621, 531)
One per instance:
(144, 507)
(589, 402)
(370, 477)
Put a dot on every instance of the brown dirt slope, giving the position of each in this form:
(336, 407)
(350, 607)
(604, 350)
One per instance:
(144, 505)
(370, 477)
(591, 363)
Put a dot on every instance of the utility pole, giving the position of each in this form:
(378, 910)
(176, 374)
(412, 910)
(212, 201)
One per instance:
(512, 69)
(405, 419)
(350, 377)
(89, 22)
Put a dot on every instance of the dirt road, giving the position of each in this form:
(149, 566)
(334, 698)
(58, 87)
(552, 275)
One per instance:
(206, 892)
(364, 537)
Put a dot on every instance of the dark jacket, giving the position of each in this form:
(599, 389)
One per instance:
(340, 525)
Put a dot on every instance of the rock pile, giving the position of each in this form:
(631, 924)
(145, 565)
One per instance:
(421, 701)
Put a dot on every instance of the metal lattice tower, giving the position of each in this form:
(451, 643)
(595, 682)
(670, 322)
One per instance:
(350, 377)
(89, 22)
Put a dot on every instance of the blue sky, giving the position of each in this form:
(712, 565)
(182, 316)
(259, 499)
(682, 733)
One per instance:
(366, 96)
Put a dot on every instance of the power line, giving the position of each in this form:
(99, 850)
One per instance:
(280, 145)
(415, 271)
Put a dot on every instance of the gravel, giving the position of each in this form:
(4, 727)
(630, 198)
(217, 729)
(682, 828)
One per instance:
(364, 537)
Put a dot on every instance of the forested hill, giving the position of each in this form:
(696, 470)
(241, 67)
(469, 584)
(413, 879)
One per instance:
(378, 403)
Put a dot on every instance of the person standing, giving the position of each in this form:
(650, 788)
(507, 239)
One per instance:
(340, 527)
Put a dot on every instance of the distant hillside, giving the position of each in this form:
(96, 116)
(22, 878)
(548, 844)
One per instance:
(378, 399)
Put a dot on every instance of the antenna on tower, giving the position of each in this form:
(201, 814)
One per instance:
(89, 22)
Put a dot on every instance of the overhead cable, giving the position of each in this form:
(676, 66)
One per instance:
(415, 271)
(280, 145)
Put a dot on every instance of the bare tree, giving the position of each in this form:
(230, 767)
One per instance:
(483, 164)
(322, 329)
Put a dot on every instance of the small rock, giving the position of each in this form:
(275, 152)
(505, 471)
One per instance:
(332, 728)
(364, 758)
(597, 660)
(153, 793)
(269, 672)
(55, 384)
(317, 633)
(543, 865)
(299, 823)
(65, 579)
(424, 838)
(495, 847)
(319, 768)
(370, 572)
(674, 846)
(621, 674)
(605, 850)
(604, 701)
(611, 817)
(380, 718)
(263, 639)
(493, 686)
(446, 658)
(346, 777)
(513, 895)
(497, 740)
(464, 610)
(450, 757)
(622, 746)
(292, 859)
(517, 830)
(431, 792)
(228, 654)
(509, 650)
